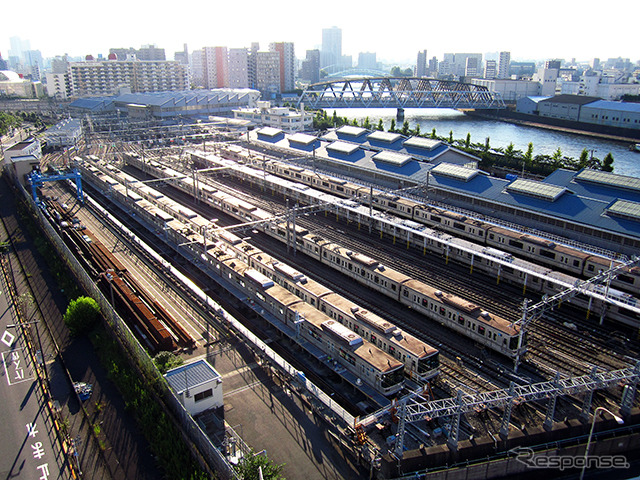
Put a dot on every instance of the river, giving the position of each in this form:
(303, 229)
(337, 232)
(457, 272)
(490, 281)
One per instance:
(501, 134)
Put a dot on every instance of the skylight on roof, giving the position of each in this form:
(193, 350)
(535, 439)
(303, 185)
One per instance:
(625, 209)
(535, 189)
(457, 172)
(393, 158)
(388, 137)
(425, 143)
(609, 179)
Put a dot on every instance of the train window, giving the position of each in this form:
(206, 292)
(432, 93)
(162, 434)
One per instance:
(626, 279)
(515, 243)
(547, 254)
(461, 320)
(508, 269)
(376, 279)
(491, 236)
(425, 302)
(590, 268)
(362, 272)
(480, 329)
(373, 338)
(392, 351)
(393, 287)
(459, 226)
(349, 266)
(442, 311)
(435, 219)
(392, 205)
(576, 263)
(323, 308)
(473, 327)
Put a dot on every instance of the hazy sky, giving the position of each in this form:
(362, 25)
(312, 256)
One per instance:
(394, 30)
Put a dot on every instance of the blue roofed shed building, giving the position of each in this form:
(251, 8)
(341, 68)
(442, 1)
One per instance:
(583, 206)
(198, 386)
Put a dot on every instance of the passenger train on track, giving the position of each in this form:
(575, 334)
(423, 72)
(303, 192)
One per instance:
(539, 249)
(465, 317)
(497, 262)
(274, 286)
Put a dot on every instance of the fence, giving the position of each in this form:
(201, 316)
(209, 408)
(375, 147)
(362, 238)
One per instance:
(213, 458)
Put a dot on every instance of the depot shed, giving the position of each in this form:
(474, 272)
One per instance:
(197, 385)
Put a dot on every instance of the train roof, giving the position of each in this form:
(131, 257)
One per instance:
(464, 306)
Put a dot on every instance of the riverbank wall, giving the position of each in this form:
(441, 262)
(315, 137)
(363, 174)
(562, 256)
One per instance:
(627, 135)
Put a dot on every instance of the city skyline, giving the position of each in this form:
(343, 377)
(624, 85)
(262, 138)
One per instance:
(557, 30)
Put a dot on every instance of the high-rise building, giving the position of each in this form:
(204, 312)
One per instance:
(3, 63)
(490, 69)
(268, 73)
(183, 56)
(503, 64)
(367, 61)
(151, 52)
(18, 47)
(456, 63)
(472, 67)
(238, 68)
(433, 67)
(553, 64)
(251, 63)
(215, 64)
(421, 64)
(311, 67)
(596, 63)
(287, 64)
(331, 53)
(197, 68)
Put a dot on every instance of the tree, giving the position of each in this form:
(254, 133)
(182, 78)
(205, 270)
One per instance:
(366, 124)
(583, 161)
(392, 127)
(467, 142)
(487, 145)
(557, 158)
(165, 361)
(433, 133)
(405, 128)
(451, 137)
(81, 316)
(528, 156)
(380, 126)
(249, 466)
(416, 132)
(607, 163)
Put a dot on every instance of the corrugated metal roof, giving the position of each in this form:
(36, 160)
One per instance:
(191, 375)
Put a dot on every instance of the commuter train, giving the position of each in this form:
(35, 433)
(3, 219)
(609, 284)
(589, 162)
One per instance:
(539, 249)
(469, 319)
(419, 360)
(478, 256)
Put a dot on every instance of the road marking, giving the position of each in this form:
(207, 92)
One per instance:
(7, 338)
(14, 363)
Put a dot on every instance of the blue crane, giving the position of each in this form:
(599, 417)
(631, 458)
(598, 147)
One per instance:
(37, 179)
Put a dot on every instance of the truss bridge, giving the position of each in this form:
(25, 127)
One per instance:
(400, 93)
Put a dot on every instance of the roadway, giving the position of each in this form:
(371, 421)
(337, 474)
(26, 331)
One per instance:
(30, 449)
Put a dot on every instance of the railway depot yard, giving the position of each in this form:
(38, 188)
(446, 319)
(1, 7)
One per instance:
(351, 341)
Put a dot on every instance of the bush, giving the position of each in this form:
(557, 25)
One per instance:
(81, 316)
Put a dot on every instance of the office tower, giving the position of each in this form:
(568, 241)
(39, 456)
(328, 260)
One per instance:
(367, 61)
(251, 63)
(150, 52)
(503, 64)
(421, 64)
(331, 53)
(472, 67)
(197, 68)
(183, 56)
(490, 69)
(311, 67)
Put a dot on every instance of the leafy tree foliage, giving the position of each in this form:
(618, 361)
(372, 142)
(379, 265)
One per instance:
(81, 316)
(7, 122)
(607, 163)
(399, 72)
(165, 361)
(249, 467)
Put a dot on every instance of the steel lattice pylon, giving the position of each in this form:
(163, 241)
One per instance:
(401, 92)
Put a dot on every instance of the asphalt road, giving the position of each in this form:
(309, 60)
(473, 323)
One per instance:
(29, 448)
